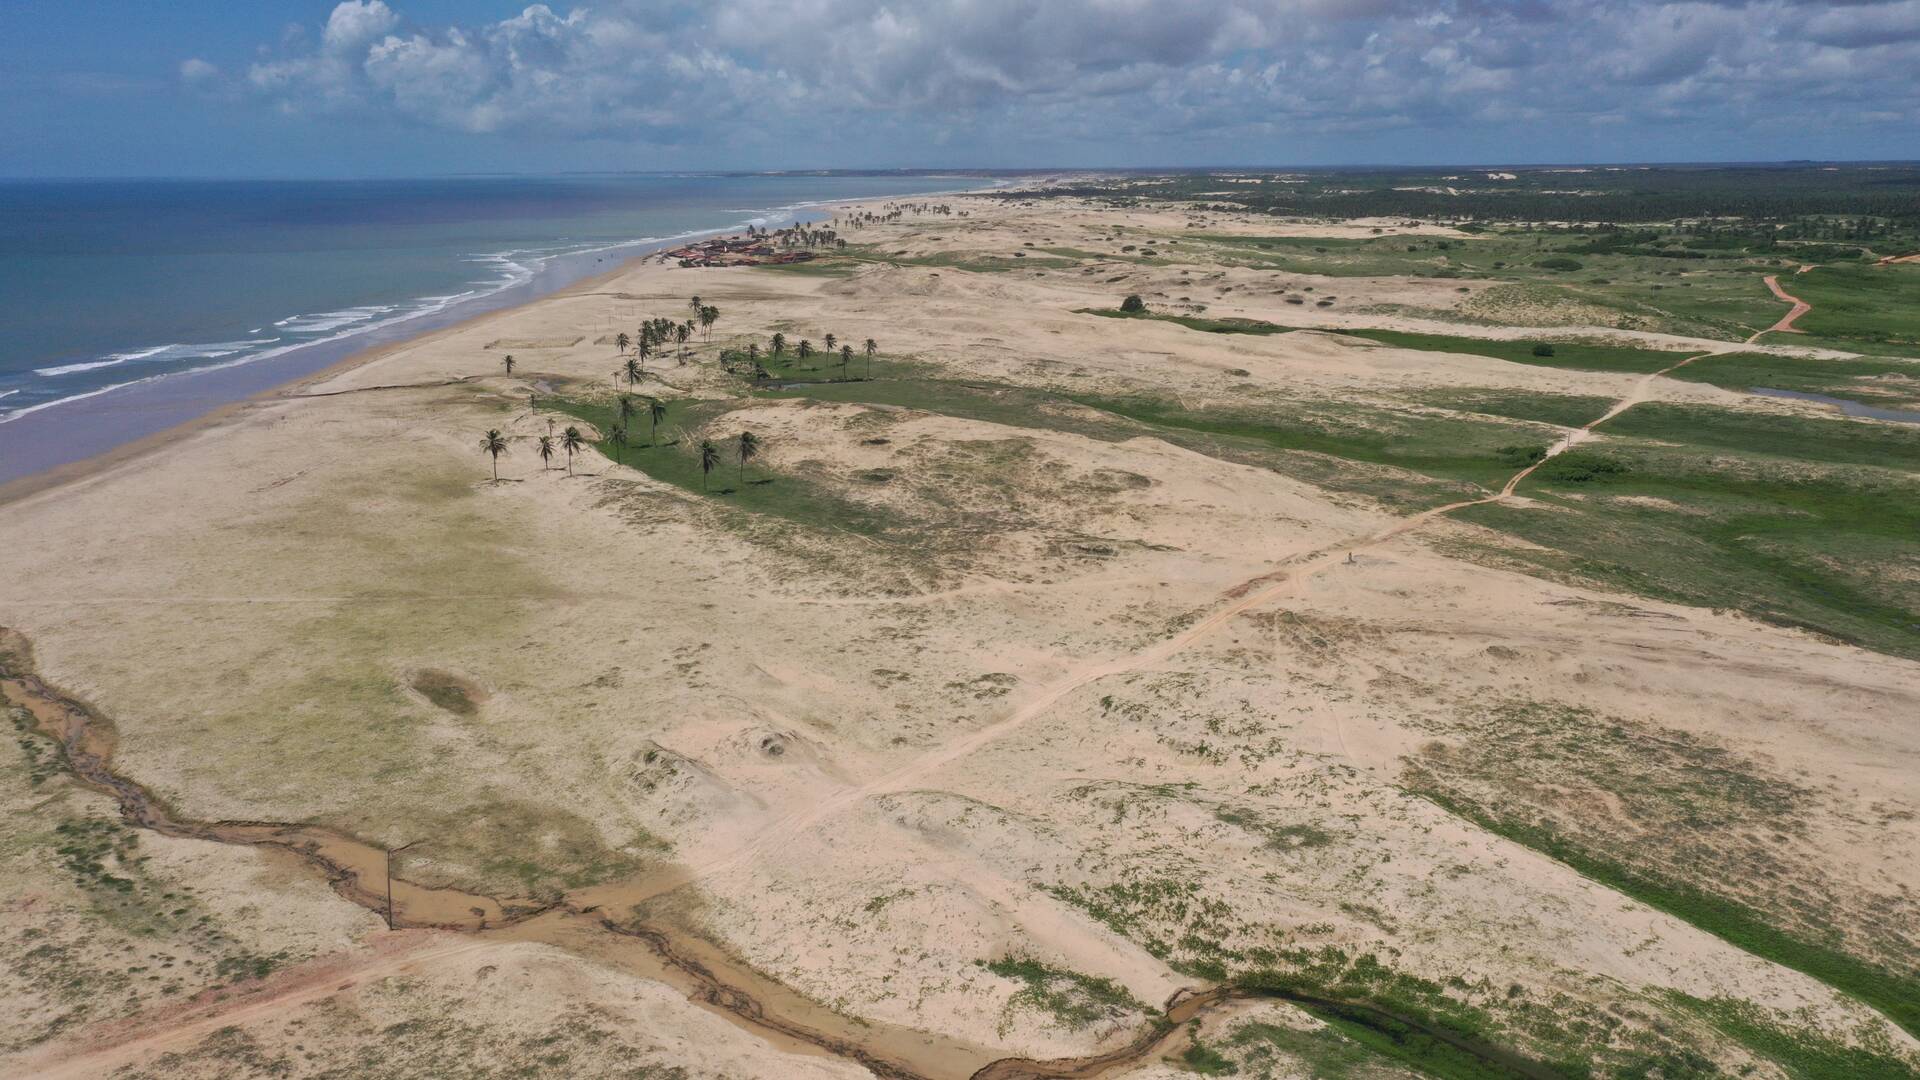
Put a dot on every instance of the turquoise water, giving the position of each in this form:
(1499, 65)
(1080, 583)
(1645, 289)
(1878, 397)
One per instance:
(106, 285)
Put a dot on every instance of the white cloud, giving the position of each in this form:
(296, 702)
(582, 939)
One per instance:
(659, 72)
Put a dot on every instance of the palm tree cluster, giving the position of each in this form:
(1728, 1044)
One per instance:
(894, 212)
(746, 447)
(652, 337)
(802, 236)
(777, 351)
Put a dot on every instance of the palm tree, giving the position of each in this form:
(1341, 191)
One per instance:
(623, 341)
(572, 441)
(846, 355)
(693, 305)
(805, 350)
(633, 372)
(644, 349)
(871, 349)
(830, 340)
(509, 362)
(709, 457)
(619, 437)
(709, 316)
(495, 444)
(680, 335)
(546, 451)
(626, 409)
(779, 346)
(753, 353)
(749, 446)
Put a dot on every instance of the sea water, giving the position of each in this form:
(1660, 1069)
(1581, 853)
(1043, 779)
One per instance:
(108, 285)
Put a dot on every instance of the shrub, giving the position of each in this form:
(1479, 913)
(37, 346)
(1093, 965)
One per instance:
(1133, 305)
(1560, 262)
(1520, 456)
(1582, 467)
(1543, 349)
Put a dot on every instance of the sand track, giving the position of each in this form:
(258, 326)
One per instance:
(1800, 307)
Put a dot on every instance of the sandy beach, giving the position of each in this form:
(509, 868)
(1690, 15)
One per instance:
(998, 683)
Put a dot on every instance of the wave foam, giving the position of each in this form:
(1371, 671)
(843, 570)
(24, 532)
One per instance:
(173, 353)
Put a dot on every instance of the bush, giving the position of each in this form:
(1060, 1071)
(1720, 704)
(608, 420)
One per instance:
(1582, 467)
(1520, 456)
(1560, 263)
(1133, 305)
(1543, 349)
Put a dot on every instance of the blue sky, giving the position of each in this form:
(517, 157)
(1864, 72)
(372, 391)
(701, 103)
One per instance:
(416, 87)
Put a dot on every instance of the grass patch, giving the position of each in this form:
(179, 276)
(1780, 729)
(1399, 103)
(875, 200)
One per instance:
(1451, 449)
(1195, 322)
(1803, 1054)
(675, 460)
(446, 691)
(1401, 1017)
(1800, 521)
(829, 267)
(1561, 410)
(1573, 355)
(1890, 383)
(1801, 438)
(1074, 1001)
(1204, 1060)
(1859, 302)
(1895, 994)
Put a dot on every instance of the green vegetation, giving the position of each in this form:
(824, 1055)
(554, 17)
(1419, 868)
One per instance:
(1861, 303)
(674, 461)
(1458, 449)
(1258, 1048)
(1191, 322)
(1402, 1017)
(1775, 204)
(1746, 887)
(1204, 1060)
(1802, 1053)
(1562, 410)
(1770, 435)
(1787, 518)
(446, 692)
(1889, 383)
(1072, 999)
(1574, 355)
(1895, 994)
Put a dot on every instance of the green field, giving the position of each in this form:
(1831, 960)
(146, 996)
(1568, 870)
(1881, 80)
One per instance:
(1565, 353)
(1861, 304)
(1886, 382)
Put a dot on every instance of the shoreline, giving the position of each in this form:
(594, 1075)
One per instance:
(61, 475)
(55, 474)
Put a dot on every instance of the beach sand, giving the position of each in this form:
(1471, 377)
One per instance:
(1082, 698)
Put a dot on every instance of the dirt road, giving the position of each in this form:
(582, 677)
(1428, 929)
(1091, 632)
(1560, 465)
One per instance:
(1800, 307)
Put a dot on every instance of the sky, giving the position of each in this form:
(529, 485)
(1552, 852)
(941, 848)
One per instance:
(293, 88)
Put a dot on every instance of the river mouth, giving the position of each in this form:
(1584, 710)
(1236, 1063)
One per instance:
(1846, 406)
(609, 923)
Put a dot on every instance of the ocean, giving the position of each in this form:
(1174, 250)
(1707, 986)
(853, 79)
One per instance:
(111, 288)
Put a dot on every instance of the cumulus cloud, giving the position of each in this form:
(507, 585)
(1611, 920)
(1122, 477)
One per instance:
(1192, 69)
